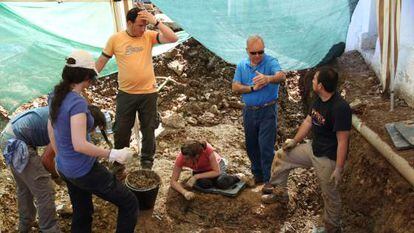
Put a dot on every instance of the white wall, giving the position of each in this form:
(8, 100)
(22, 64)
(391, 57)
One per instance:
(363, 36)
(404, 82)
(362, 31)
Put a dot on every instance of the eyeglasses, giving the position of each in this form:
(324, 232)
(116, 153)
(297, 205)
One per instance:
(257, 52)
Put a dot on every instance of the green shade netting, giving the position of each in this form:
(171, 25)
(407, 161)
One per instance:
(35, 38)
(300, 33)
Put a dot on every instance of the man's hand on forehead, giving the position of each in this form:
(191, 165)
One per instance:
(147, 16)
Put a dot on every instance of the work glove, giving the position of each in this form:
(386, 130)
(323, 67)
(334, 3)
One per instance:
(189, 195)
(191, 182)
(122, 156)
(289, 144)
(336, 175)
(277, 161)
(280, 154)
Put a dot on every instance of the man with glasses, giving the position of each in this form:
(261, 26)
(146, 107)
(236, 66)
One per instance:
(137, 86)
(257, 79)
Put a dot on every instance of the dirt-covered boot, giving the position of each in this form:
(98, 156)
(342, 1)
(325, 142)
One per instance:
(279, 194)
(267, 188)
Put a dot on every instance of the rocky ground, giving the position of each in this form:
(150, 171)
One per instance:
(196, 103)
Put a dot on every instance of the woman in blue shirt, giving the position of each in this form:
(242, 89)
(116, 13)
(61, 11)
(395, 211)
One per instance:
(76, 160)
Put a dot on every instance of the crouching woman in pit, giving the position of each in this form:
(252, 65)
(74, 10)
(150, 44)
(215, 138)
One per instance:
(209, 168)
(77, 158)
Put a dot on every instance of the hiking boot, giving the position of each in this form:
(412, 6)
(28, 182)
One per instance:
(328, 228)
(146, 164)
(318, 230)
(279, 194)
(273, 198)
(267, 188)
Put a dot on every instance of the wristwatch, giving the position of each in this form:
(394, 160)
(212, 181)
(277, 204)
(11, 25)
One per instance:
(251, 89)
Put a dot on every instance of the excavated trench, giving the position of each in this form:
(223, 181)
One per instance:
(198, 104)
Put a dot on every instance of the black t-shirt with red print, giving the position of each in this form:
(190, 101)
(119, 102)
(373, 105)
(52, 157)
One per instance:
(328, 118)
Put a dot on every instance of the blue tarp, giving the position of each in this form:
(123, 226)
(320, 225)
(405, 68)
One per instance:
(35, 38)
(300, 33)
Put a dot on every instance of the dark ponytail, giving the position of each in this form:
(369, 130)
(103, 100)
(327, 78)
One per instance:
(70, 75)
(59, 93)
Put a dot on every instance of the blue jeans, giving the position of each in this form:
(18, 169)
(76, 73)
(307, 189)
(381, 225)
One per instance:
(260, 128)
(102, 183)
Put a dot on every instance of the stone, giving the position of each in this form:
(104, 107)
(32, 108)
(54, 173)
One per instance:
(176, 66)
(174, 120)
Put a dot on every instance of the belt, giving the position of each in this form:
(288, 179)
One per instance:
(262, 106)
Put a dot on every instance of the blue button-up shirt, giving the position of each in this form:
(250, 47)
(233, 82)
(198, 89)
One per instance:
(245, 73)
(31, 126)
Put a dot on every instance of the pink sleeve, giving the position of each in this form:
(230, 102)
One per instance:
(179, 161)
(209, 149)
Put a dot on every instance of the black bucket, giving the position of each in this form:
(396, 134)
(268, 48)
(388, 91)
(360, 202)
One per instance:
(146, 195)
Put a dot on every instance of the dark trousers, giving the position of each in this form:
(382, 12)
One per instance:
(260, 135)
(223, 181)
(102, 183)
(126, 107)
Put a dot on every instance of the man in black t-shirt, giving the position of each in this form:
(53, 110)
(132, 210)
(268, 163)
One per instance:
(330, 120)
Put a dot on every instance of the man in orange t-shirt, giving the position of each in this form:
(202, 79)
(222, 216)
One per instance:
(137, 86)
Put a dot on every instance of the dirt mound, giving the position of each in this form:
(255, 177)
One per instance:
(376, 197)
(197, 103)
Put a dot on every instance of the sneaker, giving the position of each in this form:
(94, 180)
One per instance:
(279, 194)
(273, 198)
(267, 188)
(326, 228)
(269, 198)
(318, 230)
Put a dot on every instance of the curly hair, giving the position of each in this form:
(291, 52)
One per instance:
(193, 148)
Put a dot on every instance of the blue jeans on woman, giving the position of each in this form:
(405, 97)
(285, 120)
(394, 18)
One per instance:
(260, 128)
(102, 183)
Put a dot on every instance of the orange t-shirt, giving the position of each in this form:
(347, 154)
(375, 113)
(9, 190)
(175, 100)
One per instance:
(134, 58)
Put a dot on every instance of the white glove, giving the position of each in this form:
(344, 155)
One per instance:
(289, 144)
(122, 156)
(336, 175)
(191, 182)
(189, 195)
